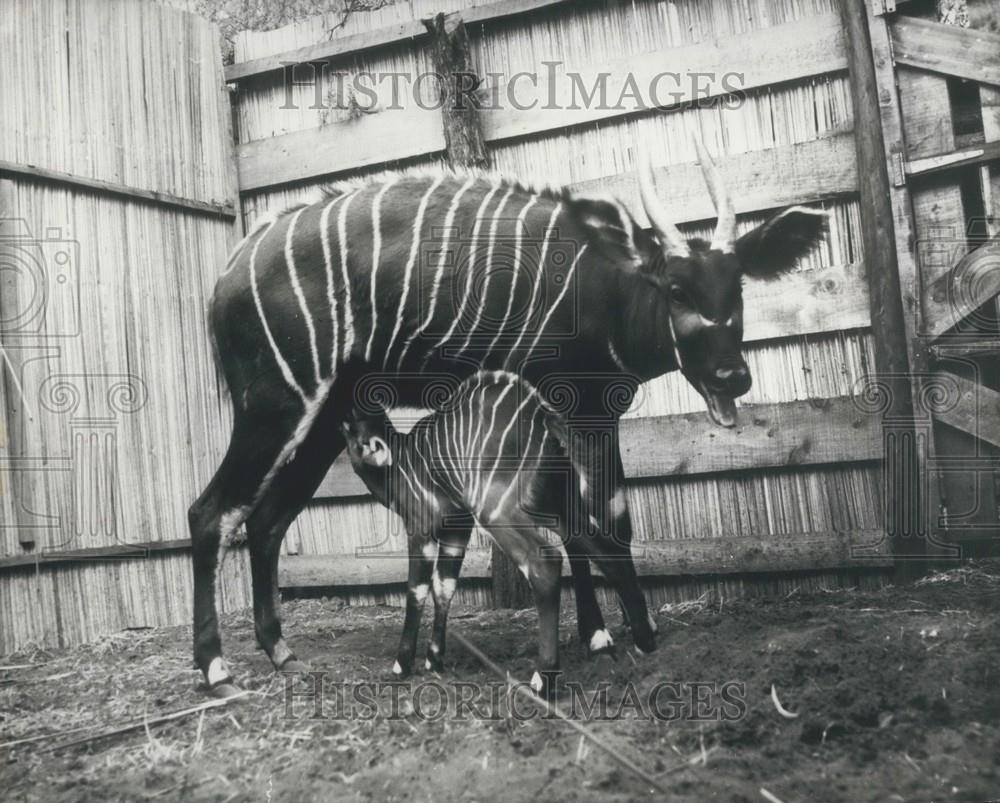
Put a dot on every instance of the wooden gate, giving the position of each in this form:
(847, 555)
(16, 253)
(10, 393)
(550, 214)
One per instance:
(935, 100)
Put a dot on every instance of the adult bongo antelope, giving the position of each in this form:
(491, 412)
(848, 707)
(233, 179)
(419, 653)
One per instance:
(430, 273)
(497, 454)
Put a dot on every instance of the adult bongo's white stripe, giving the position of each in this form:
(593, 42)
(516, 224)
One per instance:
(470, 272)
(540, 272)
(348, 311)
(559, 298)
(449, 222)
(408, 273)
(518, 235)
(376, 253)
(283, 366)
(491, 246)
(331, 290)
(293, 277)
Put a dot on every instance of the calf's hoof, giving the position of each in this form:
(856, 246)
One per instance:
(401, 669)
(434, 662)
(293, 666)
(543, 683)
(601, 643)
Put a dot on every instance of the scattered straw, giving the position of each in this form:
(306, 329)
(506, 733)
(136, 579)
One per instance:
(516, 687)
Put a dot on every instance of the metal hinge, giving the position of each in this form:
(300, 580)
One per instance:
(880, 7)
(898, 169)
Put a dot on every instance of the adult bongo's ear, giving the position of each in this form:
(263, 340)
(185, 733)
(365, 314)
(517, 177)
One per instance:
(775, 246)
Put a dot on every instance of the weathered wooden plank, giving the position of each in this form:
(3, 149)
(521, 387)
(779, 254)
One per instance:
(35, 173)
(410, 30)
(374, 569)
(942, 162)
(769, 436)
(116, 552)
(976, 411)
(973, 281)
(946, 49)
(395, 134)
(665, 558)
(887, 233)
(758, 180)
(811, 301)
(809, 47)
(363, 141)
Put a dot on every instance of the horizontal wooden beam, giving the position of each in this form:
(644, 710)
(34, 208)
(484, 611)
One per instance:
(225, 210)
(408, 31)
(958, 293)
(947, 49)
(769, 436)
(809, 47)
(672, 557)
(812, 47)
(949, 160)
(114, 552)
(977, 411)
(756, 180)
(810, 301)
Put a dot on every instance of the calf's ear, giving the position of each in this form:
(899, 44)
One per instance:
(776, 245)
(376, 452)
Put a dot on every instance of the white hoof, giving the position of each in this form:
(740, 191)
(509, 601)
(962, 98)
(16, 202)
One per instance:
(397, 669)
(601, 640)
(536, 683)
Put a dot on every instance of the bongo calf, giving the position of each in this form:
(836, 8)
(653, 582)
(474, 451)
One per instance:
(496, 455)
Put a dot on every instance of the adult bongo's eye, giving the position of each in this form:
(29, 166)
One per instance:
(678, 296)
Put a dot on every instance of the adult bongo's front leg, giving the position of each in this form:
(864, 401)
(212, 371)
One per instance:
(214, 517)
(289, 492)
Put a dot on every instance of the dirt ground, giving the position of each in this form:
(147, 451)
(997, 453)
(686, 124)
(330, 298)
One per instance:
(896, 695)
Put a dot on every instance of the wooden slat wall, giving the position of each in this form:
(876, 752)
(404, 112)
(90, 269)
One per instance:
(789, 143)
(122, 421)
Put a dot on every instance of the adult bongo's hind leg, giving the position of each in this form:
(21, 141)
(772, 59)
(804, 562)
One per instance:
(453, 539)
(589, 619)
(293, 486)
(255, 446)
(422, 550)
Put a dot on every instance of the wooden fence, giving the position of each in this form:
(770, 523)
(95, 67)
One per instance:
(117, 206)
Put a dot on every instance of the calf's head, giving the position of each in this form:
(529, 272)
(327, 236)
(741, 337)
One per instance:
(368, 439)
(702, 283)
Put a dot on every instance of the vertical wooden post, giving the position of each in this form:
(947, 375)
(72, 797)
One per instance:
(465, 146)
(910, 484)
